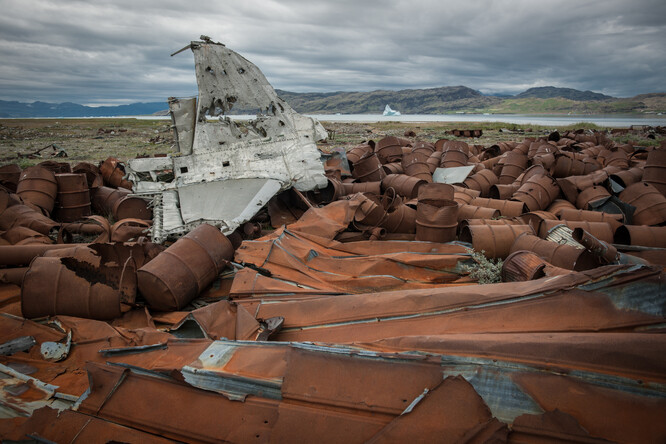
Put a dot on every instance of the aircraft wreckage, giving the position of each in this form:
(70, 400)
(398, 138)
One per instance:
(224, 173)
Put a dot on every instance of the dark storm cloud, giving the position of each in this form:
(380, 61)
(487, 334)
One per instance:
(118, 51)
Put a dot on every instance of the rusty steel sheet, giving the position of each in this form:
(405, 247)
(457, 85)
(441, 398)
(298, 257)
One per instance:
(291, 261)
(182, 271)
(611, 298)
(70, 426)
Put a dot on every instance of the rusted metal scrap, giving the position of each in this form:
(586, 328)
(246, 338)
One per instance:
(225, 173)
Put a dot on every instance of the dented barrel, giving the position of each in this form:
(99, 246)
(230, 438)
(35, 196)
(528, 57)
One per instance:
(38, 186)
(178, 274)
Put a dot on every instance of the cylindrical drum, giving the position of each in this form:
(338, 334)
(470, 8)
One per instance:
(436, 220)
(649, 202)
(538, 192)
(50, 288)
(404, 185)
(73, 201)
(105, 198)
(655, 170)
(38, 186)
(436, 191)
(130, 207)
(514, 164)
(368, 169)
(560, 255)
(178, 274)
(389, 149)
(493, 240)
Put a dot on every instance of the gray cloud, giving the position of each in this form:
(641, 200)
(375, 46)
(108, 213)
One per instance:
(118, 51)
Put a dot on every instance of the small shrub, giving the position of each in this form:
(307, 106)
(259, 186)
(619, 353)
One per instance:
(484, 271)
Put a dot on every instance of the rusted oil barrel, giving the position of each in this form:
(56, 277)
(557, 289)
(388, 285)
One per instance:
(333, 191)
(560, 255)
(50, 288)
(415, 164)
(24, 216)
(38, 186)
(389, 149)
(507, 208)
(572, 214)
(590, 194)
(422, 147)
(649, 202)
(113, 171)
(436, 220)
(358, 152)
(404, 185)
(132, 207)
(362, 187)
(9, 176)
(499, 191)
(482, 181)
(655, 170)
(371, 212)
(73, 202)
(437, 191)
(565, 166)
(400, 219)
(178, 274)
(393, 168)
(368, 169)
(590, 165)
(494, 240)
(453, 158)
(641, 235)
(601, 230)
(514, 164)
(522, 266)
(617, 158)
(538, 192)
(473, 212)
(627, 177)
(561, 204)
(452, 145)
(535, 218)
(93, 176)
(105, 198)
(434, 161)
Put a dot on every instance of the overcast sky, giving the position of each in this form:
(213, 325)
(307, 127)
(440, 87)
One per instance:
(116, 52)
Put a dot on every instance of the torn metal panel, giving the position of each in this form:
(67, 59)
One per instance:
(12, 346)
(452, 174)
(227, 171)
(183, 116)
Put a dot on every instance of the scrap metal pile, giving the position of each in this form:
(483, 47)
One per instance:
(248, 291)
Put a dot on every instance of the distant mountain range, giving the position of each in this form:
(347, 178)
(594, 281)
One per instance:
(448, 99)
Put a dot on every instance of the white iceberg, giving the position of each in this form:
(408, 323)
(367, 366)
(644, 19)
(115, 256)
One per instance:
(390, 112)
